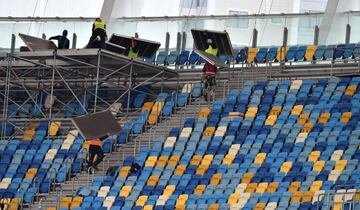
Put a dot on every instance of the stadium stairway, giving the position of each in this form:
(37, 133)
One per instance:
(116, 157)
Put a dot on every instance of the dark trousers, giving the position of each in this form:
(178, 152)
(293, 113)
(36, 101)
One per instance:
(97, 32)
(95, 150)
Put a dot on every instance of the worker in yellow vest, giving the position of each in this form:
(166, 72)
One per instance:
(133, 49)
(98, 30)
(209, 71)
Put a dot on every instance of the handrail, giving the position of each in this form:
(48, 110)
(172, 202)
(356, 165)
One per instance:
(167, 18)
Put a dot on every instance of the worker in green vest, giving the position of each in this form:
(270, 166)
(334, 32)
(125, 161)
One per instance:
(133, 49)
(98, 30)
(209, 72)
(212, 49)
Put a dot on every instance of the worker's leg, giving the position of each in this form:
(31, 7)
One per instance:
(102, 38)
(91, 156)
(93, 37)
(100, 156)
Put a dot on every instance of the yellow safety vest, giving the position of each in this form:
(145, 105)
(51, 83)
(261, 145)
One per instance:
(99, 24)
(210, 50)
(132, 54)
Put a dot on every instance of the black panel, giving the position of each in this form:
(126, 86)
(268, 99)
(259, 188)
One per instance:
(147, 48)
(92, 126)
(220, 38)
(37, 44)
(212, 59)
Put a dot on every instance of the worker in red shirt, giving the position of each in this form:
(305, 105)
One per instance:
(209, 71)
(95, 148)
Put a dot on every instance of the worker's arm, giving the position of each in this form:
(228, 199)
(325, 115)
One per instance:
(55, 37)
(93, 27)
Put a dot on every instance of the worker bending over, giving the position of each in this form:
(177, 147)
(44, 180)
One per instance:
(98, 30)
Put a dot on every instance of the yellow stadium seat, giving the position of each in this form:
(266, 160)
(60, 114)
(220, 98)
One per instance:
(209, 131)
(251, 112)
(275, 110)
(216, 178)
(65, 202)
(345, 117)
(350, 90)
(141, 200)
(307, 197)
(162, 161)
(148, 207)
(213, 206)
(247, 178)
(303, 118)
(14, 204)
(294, 186)
(152, 181)
(251, 188)
(51, 208)
(318, 166)
(252, 54)
(76, 202)
(199, 189)
(316, 186)
(181, 202)
(260, 157)
(29, 134)
(169, 190)
(260, 206)
(340, 165)
(196, 159)
(310, 52)
(324, 117)
(151, 161)
(272, 187)
(307, 127)
(152, 120)
(204, 113)
(233, 199)
(173, 160)
(125, 191)
(147, 106)
(31, 173)
(296, 197)
(281, 53)
(228, 159)
(285, 167)
(125, 171)
(271, 120)
(180, 169)
(262, 187)
(207, 160)
(54, 128)
(314, 156)
(201, 169)
(297, 110)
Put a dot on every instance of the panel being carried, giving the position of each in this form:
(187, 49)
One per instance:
(37, 44)
(96, 125)
(146, 48)
(212, 59)
(220, 38)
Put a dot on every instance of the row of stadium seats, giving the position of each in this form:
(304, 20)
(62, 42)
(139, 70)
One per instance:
(264, 54)
(276, 145)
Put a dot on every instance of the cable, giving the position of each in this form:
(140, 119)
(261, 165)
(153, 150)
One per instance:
(258, 12)
(187, 20)
(37, 1)
(265, 25)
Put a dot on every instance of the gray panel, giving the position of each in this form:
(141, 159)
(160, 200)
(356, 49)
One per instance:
(212, 59)
(147, 48)
(220, 38)
(92, 126)
(37, 44)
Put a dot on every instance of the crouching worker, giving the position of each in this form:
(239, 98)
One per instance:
(95, 148)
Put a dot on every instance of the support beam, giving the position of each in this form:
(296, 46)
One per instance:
(348, 34)
(178, 42)
(285, 37)
(327, 20)
(254, 40)
(167, 42)
(136, 35)
(106, 10)
(183, 44)
(316, 35)
(74, 41)
(13, 40)
(43, 36)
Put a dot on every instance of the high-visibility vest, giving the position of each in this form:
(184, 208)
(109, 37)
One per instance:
(132, 54)
(99, 24)
(95, 142)
(212, 51)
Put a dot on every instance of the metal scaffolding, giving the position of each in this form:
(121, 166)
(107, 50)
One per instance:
(65, 76)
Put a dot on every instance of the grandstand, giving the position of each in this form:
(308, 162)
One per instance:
(283, 131)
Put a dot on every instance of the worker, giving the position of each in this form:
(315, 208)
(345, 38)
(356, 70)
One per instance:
(133, 49)
(63, 41)
(209, 71)
(98, 30)
(95, 148)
